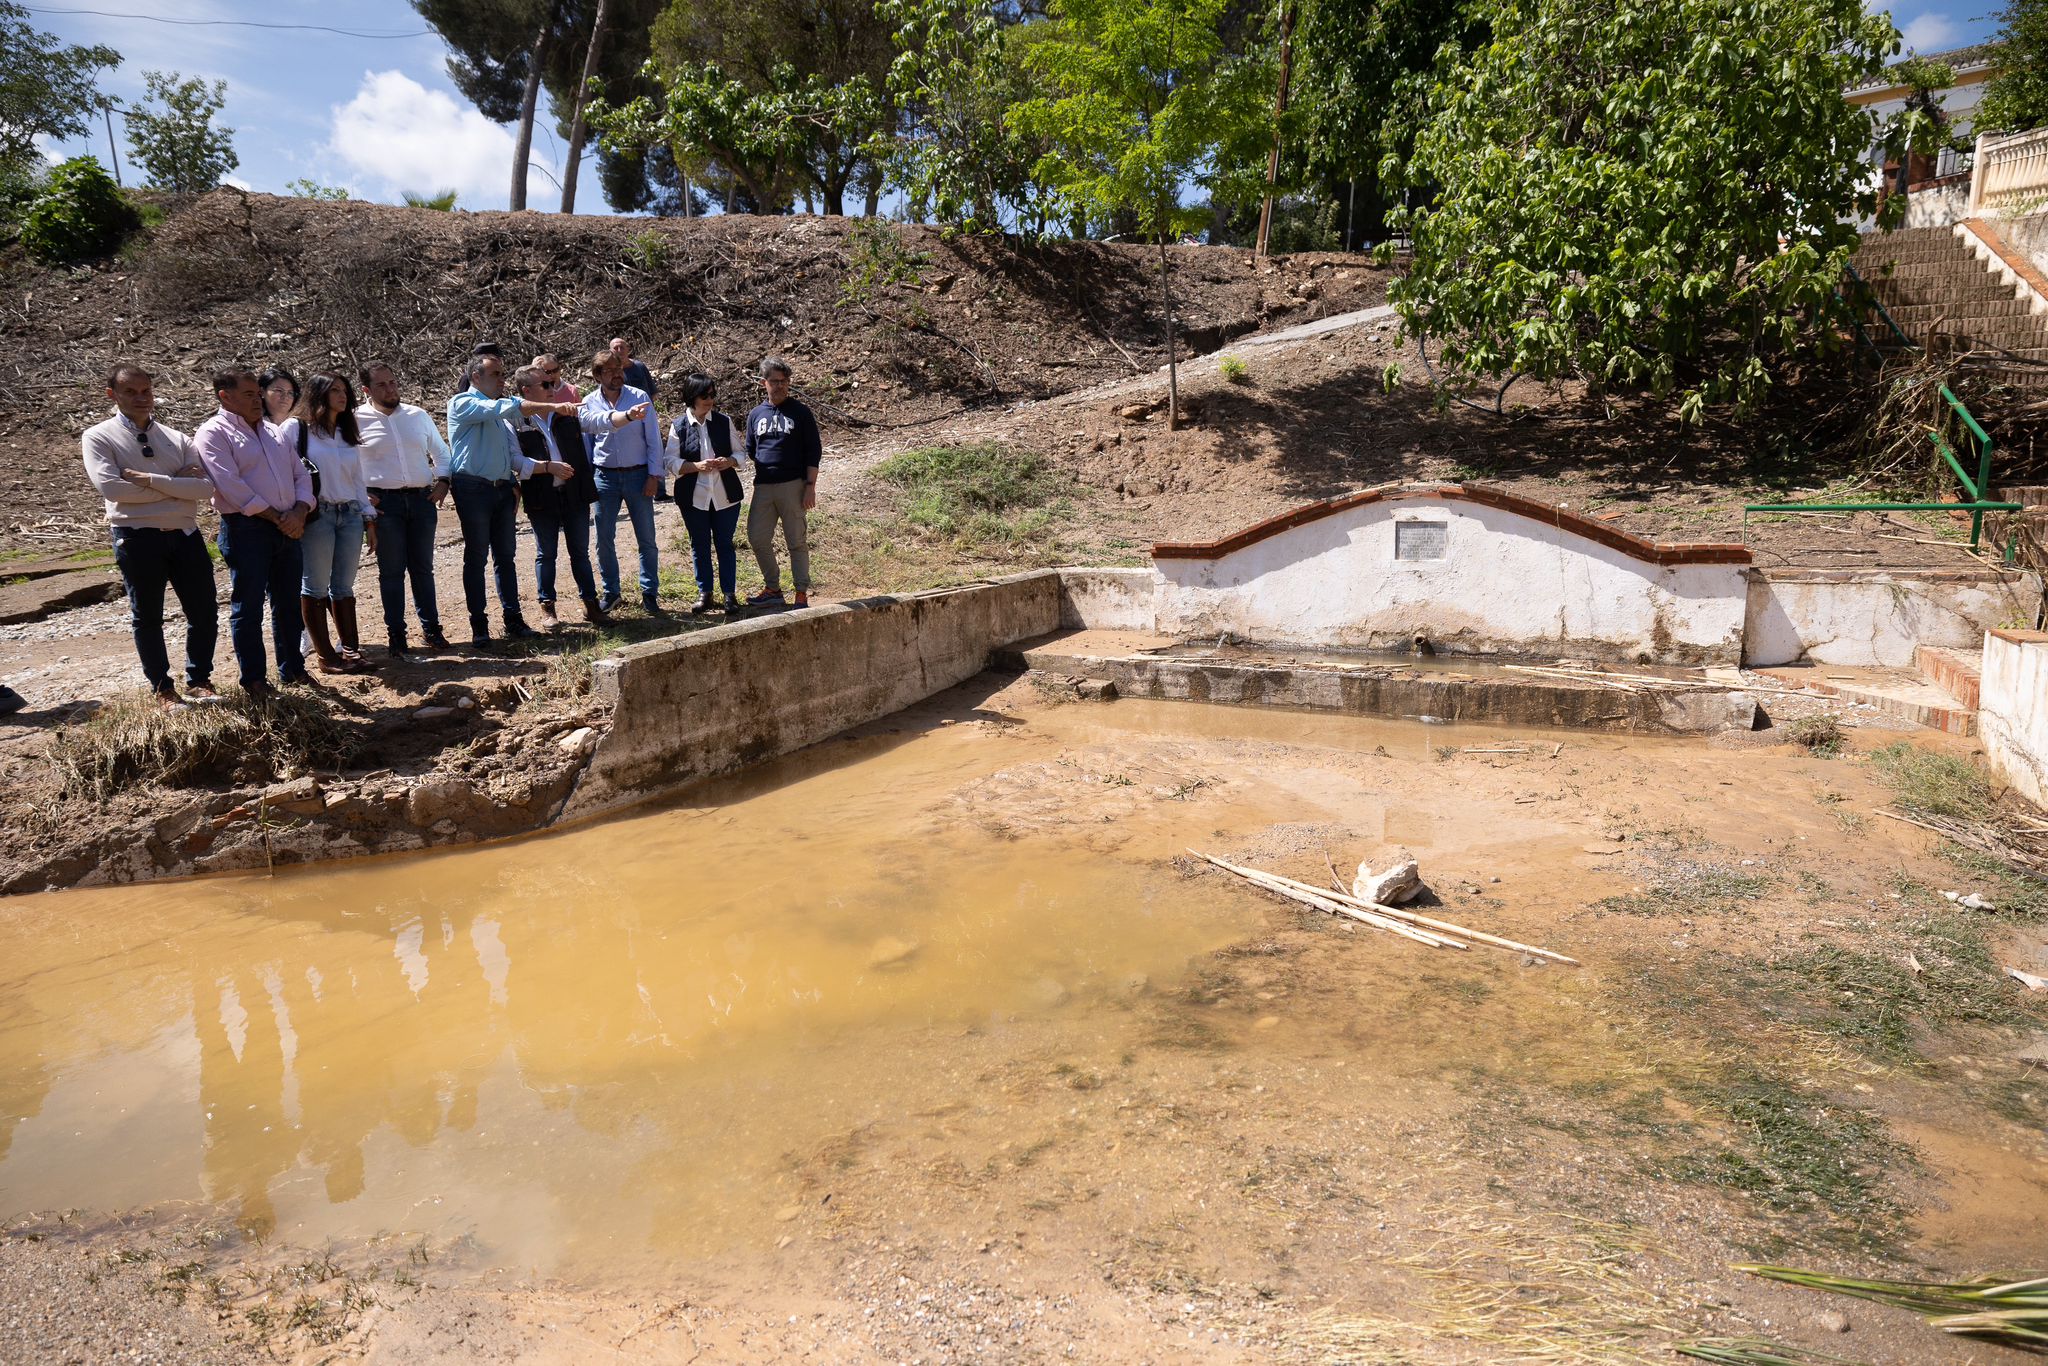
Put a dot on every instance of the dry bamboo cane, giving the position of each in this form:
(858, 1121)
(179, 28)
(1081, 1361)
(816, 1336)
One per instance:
(1322, 902)
(1444, 925)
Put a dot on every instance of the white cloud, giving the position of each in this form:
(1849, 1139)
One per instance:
(1931, 33)
(399, 134)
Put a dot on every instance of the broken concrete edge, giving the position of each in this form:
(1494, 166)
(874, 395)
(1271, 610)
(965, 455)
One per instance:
(1406, 695)
(317, 819)
(1550, 514)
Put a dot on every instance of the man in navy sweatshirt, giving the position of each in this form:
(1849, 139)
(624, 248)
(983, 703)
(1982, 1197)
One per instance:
(784, 449)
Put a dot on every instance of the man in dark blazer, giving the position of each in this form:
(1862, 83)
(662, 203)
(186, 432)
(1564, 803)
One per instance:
(558, 508)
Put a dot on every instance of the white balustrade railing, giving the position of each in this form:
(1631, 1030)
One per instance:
(2011, 174)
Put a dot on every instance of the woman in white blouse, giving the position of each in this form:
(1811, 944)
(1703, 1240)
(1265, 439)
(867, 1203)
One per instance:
(709, 491)
(323, 432)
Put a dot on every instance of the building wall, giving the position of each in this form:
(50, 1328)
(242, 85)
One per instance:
(2012, 716)
(1467, 576)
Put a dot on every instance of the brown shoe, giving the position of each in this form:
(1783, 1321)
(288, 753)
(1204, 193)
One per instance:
(548, 620)
(803, 598)
(347, 644)
(313, 611)
(594, 613)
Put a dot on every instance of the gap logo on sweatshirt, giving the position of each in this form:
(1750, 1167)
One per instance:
(773, 423)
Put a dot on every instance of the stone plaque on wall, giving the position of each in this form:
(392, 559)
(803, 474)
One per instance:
(1421, 540)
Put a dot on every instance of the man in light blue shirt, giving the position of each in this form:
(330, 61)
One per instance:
(484, 467)
(627, 464)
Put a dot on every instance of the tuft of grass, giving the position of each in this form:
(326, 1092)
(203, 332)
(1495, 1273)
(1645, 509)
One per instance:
(1872, 998)
(1795, 1152)
(132, 741)
(1929, 784)
(979, 493)
(1688, 887)
(1235, 370)
(1821, 735)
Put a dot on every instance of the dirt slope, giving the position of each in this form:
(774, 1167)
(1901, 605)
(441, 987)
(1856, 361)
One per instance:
(945, 325)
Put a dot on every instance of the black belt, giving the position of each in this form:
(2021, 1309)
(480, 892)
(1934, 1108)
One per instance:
(401, 488)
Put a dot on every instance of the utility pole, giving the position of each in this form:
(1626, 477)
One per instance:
(113, 153)
(1279, 111)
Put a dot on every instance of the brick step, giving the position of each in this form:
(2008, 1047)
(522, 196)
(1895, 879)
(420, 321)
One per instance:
(1871, 264)
(2027, 495)
(1968, 311)
(1891, 692)
(1955, 672)
(1979, 292)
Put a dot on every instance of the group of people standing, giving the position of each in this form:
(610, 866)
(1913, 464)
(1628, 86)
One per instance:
(305, 477)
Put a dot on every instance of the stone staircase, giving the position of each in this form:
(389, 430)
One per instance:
(1945, 297)
(1939, 692)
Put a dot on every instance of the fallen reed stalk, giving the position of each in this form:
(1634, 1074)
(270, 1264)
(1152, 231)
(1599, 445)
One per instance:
(2011, 1312)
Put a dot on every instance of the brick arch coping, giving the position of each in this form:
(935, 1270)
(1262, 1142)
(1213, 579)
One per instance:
(1547, 514)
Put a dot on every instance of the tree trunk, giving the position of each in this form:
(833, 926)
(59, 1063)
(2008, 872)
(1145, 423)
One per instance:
(1279, 111)
(529, 100)
(582, 94)
(1172, 366)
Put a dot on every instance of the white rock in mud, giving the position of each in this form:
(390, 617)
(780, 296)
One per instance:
(1401, 882)
(578, 740)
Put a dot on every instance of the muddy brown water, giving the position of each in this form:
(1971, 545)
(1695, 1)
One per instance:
(943, 981)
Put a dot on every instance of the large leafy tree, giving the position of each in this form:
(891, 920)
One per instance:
(1648, 194)
(2017, 98)
(781, 97)
(172, 134)
(960, 67)
(1361, 71)
(47, 89)
(1139, 100)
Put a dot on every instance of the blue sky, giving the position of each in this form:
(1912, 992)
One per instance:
(379, 115)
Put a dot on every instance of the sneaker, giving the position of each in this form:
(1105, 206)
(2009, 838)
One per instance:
(767, 597)
(201, 692)
(434, 640)
(610, 604)
(803, 598)
(167, 697)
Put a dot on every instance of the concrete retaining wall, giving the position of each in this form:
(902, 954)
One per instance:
(2012, 717)
(1862, 617)
(1108, 599)
(713, 701)
(1467, 568)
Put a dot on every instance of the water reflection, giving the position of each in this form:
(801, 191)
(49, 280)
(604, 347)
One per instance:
(606, 1036)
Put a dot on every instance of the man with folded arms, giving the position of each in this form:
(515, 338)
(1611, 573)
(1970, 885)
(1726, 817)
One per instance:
(153, 484)
(403, 456)
(484, 470)
(264, 493)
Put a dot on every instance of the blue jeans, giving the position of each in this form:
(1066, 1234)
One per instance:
(569, 524)
(613, 488)
(263, 562)
(331, 549)
(709, 527)
(405, 549)
(150, 558)
(490, 530)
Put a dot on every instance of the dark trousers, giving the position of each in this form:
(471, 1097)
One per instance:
(405, 549)
(708, 528)
(564, 524)
(151, 558)
(488, 513)
(262, 562)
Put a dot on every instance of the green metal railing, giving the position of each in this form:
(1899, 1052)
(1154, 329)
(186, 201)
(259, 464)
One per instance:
(1977, 486)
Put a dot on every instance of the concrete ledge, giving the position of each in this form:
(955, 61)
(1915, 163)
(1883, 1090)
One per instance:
(1406, 695)
(717, 700)
(1865, 618)
(2013, 714)
(1108, 599)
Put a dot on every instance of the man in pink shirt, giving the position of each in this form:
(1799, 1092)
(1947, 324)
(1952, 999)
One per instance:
(264, 495)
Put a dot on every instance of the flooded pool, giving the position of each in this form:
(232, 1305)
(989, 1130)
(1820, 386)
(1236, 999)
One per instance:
(588, 1044)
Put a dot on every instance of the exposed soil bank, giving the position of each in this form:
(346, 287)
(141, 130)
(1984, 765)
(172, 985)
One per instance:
(865, 1091)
